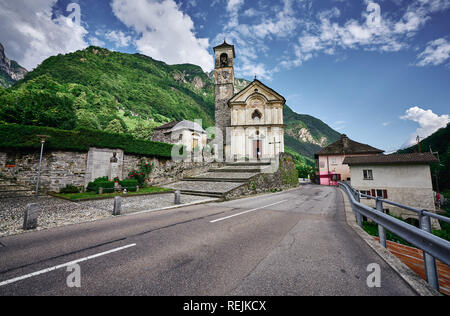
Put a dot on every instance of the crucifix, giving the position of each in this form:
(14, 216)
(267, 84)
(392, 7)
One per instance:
(274, 146)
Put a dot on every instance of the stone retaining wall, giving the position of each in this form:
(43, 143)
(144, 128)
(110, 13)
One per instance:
(60, 168)
(285, 176)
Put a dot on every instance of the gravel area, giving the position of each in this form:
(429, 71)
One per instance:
(56, 212)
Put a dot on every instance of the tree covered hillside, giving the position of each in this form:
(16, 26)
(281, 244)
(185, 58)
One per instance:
(438, 142)
(101, 86)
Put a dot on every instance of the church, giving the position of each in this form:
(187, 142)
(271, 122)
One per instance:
(251, 121)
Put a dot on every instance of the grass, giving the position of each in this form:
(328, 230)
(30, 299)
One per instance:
(93, 195)
(444, 232)
(372, 229)
(446, 194)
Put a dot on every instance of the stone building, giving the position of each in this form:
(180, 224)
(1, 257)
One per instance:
(187, 133)
(329, 161)
(401, 178)
(251, 121)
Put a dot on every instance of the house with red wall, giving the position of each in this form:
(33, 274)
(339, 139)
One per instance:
(329, 161)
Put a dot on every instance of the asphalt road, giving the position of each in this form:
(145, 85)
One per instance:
(291, 243)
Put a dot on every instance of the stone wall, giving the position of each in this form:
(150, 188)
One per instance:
(162, 136)
(60, 168)
(283, 177)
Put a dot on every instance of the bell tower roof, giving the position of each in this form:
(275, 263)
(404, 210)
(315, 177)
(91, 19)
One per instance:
(225, 45)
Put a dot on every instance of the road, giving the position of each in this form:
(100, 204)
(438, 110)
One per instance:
(290, 243)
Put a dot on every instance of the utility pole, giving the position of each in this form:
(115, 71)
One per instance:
(437, 170)
(43, 139)
(418, 143)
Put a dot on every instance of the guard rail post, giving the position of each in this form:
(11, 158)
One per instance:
(381, 231)
(359, 217)
(429, 260)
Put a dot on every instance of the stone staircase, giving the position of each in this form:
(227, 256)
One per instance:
(10, 189)
(219, 182)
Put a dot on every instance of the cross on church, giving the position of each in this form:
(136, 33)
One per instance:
(274, 145)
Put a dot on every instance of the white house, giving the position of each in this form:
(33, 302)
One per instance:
(186, 133)
(401, 178)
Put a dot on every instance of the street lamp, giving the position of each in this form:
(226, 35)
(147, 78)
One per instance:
(43, 139)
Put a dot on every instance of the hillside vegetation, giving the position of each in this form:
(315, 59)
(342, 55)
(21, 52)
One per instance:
(121, 93)
(438, 142)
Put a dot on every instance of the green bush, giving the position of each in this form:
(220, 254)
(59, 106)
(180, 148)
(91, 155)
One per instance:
(94, 186)
(69, 189)
(129, 184)
(17, 136)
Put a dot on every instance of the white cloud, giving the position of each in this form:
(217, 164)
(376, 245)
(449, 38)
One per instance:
(96, 41)
(428, 121)
(251, 39)
(30, 35)
(118, 38)
(339, 125)
(165, 32)
(436, 53)
(373, 32)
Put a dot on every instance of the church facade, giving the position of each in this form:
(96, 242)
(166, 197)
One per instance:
(251, 121)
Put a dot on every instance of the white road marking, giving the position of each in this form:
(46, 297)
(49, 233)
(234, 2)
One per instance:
(255, 209)
(63, 265)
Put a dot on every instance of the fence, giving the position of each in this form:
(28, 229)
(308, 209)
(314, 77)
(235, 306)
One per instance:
(423, 238)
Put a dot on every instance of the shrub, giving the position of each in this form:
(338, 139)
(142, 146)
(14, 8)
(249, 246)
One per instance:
(94, 186)
(69, 189)
(129, 184)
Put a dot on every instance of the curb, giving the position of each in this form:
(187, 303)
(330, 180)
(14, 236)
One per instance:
(172, 207)
(107, 197)
(419, 285)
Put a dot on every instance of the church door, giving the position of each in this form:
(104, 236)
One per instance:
(257, 149)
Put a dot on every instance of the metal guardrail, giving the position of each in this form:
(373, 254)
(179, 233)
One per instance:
(432, 246)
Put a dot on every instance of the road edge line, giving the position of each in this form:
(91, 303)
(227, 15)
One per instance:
(419, 285)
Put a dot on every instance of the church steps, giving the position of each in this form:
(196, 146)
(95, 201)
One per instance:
(205, 188)
(232, 170)
(248, 164)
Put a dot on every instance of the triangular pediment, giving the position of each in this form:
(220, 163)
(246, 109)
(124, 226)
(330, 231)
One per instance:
(257, 88)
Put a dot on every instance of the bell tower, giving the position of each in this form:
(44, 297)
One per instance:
(224, 80)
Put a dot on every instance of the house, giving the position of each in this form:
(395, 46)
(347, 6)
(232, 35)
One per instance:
(329, 161)
(251, 121)
(187, 133)
(401, 178)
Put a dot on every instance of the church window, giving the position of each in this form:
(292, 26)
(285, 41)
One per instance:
(256, 115)
(224, 60)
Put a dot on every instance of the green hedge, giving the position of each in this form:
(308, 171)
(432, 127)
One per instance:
(129, 184)
(108, 186)
(24, 137)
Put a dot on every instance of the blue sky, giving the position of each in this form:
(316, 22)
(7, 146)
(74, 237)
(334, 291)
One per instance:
(377, 70)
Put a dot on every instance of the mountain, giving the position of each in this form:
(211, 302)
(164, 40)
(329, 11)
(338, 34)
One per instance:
(10, 71)
(130, 93)
(438, 142)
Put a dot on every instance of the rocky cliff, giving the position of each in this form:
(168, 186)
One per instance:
(10, 71)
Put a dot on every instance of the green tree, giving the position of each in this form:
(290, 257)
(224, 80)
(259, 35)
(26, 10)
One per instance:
(88, 120)
(115, 127)
(143, 130)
